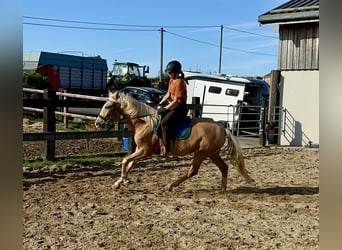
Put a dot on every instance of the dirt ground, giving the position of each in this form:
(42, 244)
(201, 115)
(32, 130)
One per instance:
(77, 207)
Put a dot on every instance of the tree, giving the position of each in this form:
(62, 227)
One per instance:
(35, 80)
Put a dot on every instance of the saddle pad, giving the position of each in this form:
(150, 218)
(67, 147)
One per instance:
(183, 129)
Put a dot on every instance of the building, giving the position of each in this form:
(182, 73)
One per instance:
(298, 66)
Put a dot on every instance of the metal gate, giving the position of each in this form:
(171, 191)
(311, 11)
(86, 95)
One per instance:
(250, 121)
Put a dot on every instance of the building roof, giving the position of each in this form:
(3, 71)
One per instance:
(30, 60)
(293, 11)
(33, 59)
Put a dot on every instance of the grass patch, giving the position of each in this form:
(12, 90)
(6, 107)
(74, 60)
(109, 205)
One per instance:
(86, 160)
(74, 126)
(75, 160)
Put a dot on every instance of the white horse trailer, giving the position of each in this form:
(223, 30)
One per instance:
(220, 95)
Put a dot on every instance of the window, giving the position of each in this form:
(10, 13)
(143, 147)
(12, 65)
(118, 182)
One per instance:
(215, 90)
(136, 70)
(232, 92)
(120, 69)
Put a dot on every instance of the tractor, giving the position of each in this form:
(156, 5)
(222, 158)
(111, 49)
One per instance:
(127, 74)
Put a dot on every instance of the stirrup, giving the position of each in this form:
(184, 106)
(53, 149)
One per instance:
(163, 151)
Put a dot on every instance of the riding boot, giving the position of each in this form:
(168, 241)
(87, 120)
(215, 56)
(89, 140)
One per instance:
(164, 148)
(163, 151)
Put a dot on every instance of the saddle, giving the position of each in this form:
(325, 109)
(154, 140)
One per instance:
(182, 129)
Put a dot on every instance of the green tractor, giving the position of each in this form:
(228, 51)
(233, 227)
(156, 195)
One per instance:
(127, 74)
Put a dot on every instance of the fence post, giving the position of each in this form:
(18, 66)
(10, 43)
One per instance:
(131, 143)
(262, 124)
(195, 112)
(49, 124)
(65, 110)
(274, 95)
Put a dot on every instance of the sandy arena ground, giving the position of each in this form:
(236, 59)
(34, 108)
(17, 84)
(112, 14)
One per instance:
(77, 207)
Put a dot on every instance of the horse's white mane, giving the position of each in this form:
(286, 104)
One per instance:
(135, 109)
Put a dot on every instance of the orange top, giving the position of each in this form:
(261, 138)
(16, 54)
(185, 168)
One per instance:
(177, 88)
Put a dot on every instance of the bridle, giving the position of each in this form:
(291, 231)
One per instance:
(103, 118)
(106, 121)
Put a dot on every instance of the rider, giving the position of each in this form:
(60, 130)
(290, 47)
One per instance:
(176, 109)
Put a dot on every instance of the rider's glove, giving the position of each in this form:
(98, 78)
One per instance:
(162, 111)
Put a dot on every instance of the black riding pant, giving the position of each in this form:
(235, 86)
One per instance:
(170, 120)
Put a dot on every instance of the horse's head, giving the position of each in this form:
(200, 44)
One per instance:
(109, 112)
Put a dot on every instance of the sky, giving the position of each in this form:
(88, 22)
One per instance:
(130, 31)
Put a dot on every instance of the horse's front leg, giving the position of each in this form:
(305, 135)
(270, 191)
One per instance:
(125, 168)
(128, 164)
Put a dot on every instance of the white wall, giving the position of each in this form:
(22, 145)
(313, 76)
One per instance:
(299, 94)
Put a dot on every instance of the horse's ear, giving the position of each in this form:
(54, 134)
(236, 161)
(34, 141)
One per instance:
(114, 96)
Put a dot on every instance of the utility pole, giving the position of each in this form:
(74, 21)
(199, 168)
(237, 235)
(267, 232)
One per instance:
(220, 53)
(161, 55)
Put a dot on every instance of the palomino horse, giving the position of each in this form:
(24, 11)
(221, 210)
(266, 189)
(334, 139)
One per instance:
(205, 140)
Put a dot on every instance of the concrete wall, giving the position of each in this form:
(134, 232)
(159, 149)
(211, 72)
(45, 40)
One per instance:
(299, 95)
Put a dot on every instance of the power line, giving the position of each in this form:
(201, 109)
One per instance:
(192, 39)
(120, 24)
(248, 51)
(252, 33)
(145, 26)
(85, 28)
(215, 45)
(141, 30)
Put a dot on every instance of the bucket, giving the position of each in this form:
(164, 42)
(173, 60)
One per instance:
(125, 143)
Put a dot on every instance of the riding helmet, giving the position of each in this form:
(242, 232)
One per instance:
(173, 66)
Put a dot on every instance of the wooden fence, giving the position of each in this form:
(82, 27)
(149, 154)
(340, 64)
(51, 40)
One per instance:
(48, 105)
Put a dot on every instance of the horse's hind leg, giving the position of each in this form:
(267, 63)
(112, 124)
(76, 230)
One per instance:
(216, 158)
(196, 163)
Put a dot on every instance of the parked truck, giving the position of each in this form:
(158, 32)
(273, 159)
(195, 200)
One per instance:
(127, 74)
(230, 100)
(75, 74)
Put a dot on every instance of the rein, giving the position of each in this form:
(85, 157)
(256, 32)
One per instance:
(140, 116)
(132, 117)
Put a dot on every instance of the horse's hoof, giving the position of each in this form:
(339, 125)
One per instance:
(169, 187)
(117, 185)
(125, 181)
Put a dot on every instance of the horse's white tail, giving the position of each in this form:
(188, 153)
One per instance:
(236, 157)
